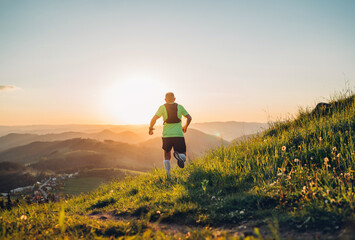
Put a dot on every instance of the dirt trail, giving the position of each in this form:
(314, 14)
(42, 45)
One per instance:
(244, 229)
(169, 228)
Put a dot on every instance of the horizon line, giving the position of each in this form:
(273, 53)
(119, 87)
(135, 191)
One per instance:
(110, 124)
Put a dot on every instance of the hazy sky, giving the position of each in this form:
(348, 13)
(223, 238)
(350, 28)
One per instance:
(113, 61)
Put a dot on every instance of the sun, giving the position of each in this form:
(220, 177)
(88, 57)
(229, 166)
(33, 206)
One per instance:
(133, 100)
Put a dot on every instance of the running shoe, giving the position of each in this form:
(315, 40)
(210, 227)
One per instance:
(181, 158)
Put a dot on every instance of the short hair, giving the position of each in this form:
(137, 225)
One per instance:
(169, 96)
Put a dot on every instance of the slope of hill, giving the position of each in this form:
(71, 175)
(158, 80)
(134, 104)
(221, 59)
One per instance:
(293, 181)
(77, 152)
(16, 139)
(244, 138)
(125, 136)
(13, 175)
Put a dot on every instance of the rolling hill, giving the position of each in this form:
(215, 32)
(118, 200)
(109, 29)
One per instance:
(84, 152)
(13, 136)
(78, 152)
(17, 139)
(46, 129)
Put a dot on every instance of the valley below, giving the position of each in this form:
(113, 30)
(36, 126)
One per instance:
(33, 154)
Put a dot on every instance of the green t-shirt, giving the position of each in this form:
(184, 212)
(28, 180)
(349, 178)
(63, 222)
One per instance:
(172, 129)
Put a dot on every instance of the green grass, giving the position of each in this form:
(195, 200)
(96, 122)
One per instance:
(91, 179)
(298, 176)
(75, 186)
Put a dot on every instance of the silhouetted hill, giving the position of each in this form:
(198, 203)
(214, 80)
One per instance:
(17, 139)
(46, 129)
(80, 153)
(10, 166)
(74, 153)
(12, 136)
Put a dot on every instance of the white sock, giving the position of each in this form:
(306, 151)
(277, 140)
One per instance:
(167, 167)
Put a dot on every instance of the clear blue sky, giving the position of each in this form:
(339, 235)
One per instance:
(112, 61)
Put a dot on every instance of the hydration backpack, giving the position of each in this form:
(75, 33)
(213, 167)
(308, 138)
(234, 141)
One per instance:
(171, 109)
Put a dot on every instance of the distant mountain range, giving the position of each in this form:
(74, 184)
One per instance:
(18, 139)
(227, 130)
(124, 146)
(85, 152)
(14, 136)
(48, 129)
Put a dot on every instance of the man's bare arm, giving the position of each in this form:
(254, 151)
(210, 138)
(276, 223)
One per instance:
(188, 121)
(152, 123)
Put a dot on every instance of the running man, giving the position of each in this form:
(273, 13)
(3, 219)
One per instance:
(173, 132)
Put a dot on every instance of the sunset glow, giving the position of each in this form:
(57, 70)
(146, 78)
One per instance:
(133, 100)
(224, 60)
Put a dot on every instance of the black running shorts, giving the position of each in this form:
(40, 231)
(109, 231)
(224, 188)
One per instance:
(177, 142)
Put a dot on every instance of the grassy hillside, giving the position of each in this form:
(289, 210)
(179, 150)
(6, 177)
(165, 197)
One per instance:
(296, 178)
(90, 179)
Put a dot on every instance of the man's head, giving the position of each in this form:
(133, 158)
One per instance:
(169, 97)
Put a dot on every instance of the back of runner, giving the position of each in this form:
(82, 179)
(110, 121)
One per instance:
(173, 131)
